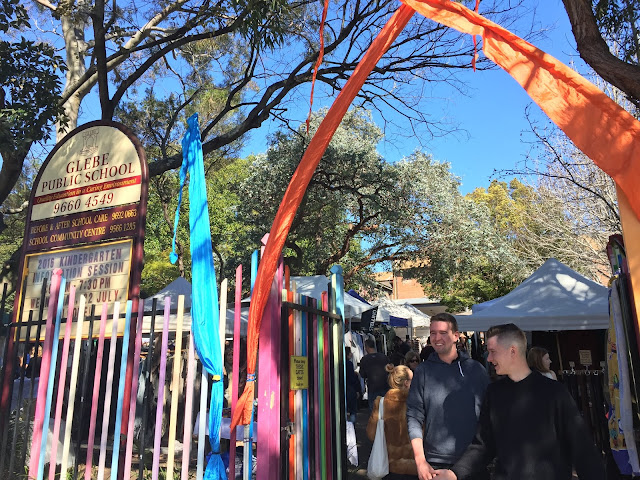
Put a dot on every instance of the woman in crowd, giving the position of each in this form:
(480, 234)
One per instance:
(402, 465)
(539, 361)
(412, 360)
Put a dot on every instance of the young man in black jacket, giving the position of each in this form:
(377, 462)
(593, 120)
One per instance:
(528, 423)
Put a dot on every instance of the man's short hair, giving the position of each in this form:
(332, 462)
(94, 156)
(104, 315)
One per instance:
(446, 317)
(370, 343)
(509, 334)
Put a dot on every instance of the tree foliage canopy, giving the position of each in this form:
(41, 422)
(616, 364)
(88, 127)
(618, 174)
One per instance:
(29, 94)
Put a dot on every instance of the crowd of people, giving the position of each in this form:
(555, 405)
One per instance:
(446, 418)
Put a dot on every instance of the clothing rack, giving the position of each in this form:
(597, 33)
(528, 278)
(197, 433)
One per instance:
(587, 388)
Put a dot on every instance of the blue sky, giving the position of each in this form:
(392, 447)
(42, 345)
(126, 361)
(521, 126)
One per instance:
(491, 114)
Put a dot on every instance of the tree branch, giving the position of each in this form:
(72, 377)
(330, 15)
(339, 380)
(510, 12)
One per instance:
(595, 51)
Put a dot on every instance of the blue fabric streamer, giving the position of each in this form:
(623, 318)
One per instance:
(205, 312)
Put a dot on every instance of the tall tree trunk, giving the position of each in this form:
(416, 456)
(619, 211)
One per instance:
(75, 47)
(595, 51)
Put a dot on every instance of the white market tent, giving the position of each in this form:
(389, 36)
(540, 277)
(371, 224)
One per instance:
(314, 285)
(554, 297)
(181, 286)
(310, 286)
(388, 308)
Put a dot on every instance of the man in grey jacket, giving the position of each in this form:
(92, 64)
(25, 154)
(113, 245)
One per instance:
(444, 401)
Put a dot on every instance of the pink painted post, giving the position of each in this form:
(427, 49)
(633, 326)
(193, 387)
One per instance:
(102, 459)
(163, 371)
(134, 392)
(45, 365)
(61, 383)
(96, 393)
(269, 384)
(188, 409)
(235, 378)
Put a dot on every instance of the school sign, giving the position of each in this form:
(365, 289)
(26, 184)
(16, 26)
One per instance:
(86, 217)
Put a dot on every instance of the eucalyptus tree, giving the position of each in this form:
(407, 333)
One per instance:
(365, 213)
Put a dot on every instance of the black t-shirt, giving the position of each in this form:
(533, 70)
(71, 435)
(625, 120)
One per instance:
(534, 430)
(372, 369)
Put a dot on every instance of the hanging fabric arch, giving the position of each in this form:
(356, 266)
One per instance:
(598, 126)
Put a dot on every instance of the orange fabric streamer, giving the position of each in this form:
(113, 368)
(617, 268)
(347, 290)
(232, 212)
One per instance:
(598, 126)
(295, 192)
(319, 61)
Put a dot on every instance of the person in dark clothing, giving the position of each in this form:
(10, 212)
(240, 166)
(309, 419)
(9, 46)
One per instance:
(426, 350)
(528, 423)
(444, 401)
(373, 371)
(353, 387)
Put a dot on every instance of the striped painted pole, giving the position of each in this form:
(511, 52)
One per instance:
(50, 385)
(297, 332)
(316, 386)
(134, 392)
(292, 393)
(102, 460)
(22, 459)
(38, 422)
(247, 451)
(175, 388)
(115, 456)
(96, 393)
(235, 376)
(73, 385)
(327, 390)
(268, 387)
(202, 426)
(224, 287)
(305, 395)
(188, 409)
(155, 471)
(321, 397)
(147, 386)
(61, 384)
(340, 407)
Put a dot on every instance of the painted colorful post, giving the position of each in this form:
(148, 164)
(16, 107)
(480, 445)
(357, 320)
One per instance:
(235, 379)
(25, 445)
(96, 390)
(188, 409)
(322, 385)
(268, 387)
(202, 427)
(61, 384)
(297, 338)
(115, 456)
(102, 460)
(45, 365)
(175, 387)
(317, 379)
(162, 373)
(328, 387)
(147, 385)
(224, 287)
(51, 373)
(340, 427)
(134, 391)
(247, 449)
(292, 393)
(73, 385)
(305, 394)
(313, 375)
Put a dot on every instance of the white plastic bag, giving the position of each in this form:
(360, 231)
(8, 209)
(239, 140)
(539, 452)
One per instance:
(378, 460)
(352, 446)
